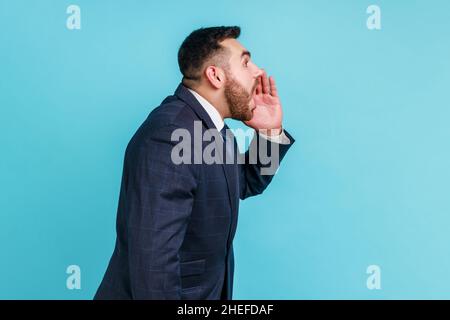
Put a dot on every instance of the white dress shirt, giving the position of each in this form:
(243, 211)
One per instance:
(219, 123)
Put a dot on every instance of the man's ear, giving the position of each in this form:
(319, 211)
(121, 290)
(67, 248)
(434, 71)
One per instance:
(215, 76)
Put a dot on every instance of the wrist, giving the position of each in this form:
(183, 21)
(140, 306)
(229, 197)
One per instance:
(271, 132)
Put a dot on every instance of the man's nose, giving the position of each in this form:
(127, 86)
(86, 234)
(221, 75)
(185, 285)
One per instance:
(258, 72)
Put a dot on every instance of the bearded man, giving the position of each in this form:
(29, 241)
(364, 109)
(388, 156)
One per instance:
(176, 221)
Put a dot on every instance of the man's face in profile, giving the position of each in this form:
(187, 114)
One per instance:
(242, 77)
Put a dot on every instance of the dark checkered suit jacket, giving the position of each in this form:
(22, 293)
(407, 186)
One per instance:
(176, 223)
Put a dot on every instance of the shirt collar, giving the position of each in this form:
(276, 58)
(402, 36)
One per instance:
(210, 109)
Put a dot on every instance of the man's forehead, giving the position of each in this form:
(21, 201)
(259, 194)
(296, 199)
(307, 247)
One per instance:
(234, 45)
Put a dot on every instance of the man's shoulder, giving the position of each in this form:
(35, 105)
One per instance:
(173, 113)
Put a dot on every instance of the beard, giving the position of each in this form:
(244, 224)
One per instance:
(238, 99)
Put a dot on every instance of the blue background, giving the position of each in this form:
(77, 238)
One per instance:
(366, 182)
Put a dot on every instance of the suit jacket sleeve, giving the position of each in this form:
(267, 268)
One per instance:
(262, 160)
(159, 200)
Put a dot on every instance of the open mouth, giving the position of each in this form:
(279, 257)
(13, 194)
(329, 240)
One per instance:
(254, 88)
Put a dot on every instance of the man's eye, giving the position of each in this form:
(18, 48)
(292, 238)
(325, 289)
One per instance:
(246, 63)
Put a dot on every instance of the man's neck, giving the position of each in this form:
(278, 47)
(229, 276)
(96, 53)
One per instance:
(214, 99)
(210, 109)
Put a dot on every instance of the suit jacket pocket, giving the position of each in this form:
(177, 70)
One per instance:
(190, 268)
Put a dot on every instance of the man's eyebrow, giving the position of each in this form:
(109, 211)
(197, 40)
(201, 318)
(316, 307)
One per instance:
(246, 53)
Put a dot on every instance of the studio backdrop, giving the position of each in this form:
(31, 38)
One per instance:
(360, 207)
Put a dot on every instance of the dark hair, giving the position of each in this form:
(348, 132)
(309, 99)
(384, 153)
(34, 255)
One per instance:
(202, 45)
